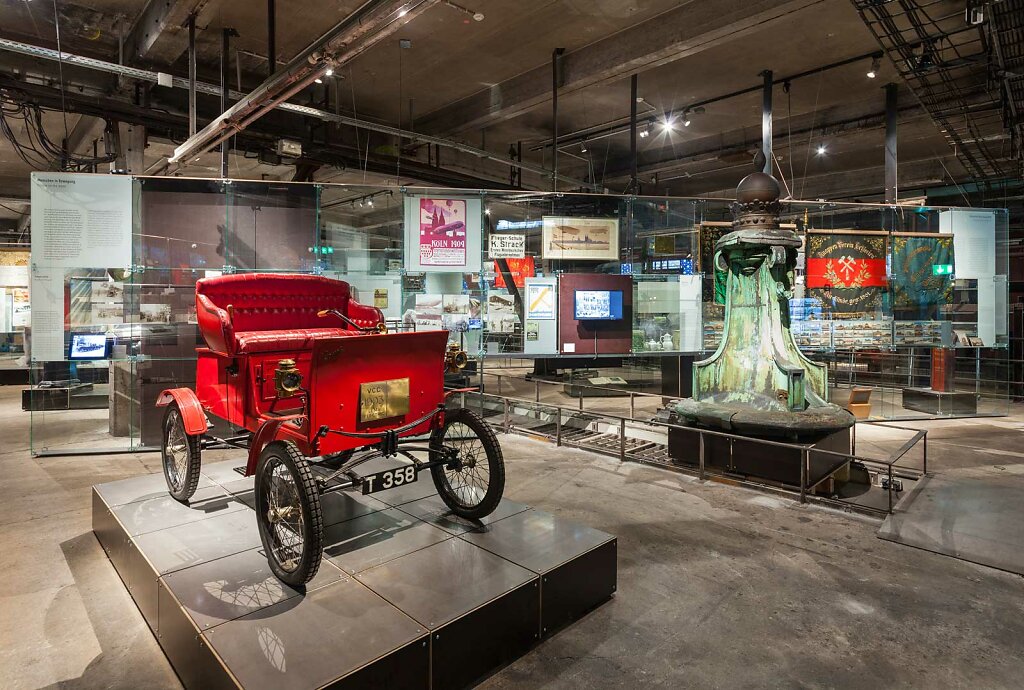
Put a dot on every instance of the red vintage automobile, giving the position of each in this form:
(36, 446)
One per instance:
(309, 377)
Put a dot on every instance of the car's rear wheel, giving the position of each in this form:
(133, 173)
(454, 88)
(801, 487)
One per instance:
(288, 513)
(181, 455)
(472, 481)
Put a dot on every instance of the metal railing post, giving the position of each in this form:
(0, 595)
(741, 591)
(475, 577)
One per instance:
(853, 439)
(632, 405)
(536, 390)
(700, 465)
(804, 455)
(730, 453)
(558, 426)
(924, 448)
(499, 384)
(622, 439)
(890, 489)
(581, 399)
(505, 400)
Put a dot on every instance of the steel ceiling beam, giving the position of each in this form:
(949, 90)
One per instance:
(689, 29)
(372, 22)
(160, 35)
(213, 90)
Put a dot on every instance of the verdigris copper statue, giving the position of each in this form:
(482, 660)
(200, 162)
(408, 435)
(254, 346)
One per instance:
(758, 381)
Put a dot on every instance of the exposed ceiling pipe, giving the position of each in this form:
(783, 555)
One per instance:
(213, 90)
(368, 25)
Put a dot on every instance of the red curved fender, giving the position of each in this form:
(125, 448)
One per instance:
(191, 409)
(265, 433)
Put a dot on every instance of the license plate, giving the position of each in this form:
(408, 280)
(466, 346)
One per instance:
(389, 479)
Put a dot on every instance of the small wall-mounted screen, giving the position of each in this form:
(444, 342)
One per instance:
(598, 305)
(88, 346)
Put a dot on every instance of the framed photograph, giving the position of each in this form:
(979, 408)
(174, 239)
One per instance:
(586, 239)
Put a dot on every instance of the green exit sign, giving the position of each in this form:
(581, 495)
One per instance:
(321, 250)
(942, 269)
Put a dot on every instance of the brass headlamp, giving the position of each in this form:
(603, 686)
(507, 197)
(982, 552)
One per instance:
(455, 359)
(287, 378)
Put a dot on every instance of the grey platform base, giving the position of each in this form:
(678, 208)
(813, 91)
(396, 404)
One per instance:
(940, 402)
(407, 596)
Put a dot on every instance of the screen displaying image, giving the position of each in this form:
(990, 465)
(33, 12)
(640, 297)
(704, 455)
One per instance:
(88, 346)
(598, 305)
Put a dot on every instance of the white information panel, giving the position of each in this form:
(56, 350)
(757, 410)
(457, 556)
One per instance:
(78, 221)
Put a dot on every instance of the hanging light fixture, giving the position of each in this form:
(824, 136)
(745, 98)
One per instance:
(876, 64)
(583, 147)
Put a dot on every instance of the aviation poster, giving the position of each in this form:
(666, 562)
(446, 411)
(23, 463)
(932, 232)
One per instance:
(442, 232)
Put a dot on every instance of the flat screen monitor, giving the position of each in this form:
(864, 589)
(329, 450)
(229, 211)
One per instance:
(89, 346)
(598, 305)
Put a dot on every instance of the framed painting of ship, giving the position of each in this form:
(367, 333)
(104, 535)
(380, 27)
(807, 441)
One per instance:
(586, 239)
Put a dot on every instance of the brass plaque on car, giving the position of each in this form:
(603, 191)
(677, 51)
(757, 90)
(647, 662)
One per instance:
(383, 399)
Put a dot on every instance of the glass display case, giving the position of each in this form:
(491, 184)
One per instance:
(487, 267)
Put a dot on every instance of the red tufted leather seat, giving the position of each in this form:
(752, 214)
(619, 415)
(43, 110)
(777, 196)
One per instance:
(270, 312)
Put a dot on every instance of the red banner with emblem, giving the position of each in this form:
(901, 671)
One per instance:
(846, 261)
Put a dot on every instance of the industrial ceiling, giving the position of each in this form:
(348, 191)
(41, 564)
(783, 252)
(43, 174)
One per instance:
(445, 93)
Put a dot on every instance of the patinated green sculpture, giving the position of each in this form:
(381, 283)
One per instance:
(758, 381)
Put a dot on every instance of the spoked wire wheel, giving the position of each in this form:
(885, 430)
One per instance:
(473, 479)
(180, 454)
(288, 513)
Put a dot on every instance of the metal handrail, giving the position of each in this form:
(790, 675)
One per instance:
(803, 449)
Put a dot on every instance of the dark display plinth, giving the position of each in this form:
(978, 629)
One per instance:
(407, 595)
(940, 402)
(759, 460)
(80, 396)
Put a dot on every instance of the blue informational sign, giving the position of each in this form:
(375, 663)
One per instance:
(626, 269)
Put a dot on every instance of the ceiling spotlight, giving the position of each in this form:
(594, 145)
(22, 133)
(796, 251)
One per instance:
(821, 149)
(667, 124)
(645, 132)
(402, 12)
(318, 80)
(478, 16)
(360, 203)
(583, 147)
(369, 202)
(686, 119)
(329, 72)
(875, 66)
(487, 211)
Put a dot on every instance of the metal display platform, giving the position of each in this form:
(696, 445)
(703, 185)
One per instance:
(407, 596)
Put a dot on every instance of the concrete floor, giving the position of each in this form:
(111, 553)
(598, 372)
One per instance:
(718, 586)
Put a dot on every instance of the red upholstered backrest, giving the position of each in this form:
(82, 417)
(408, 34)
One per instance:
(273, 302)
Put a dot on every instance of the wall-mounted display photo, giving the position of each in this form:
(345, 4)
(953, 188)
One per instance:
(593, 239)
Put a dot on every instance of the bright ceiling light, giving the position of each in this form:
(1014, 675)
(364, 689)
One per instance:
(369, 202)
(402, 12)
(329, 72)
(821, 149)
(645, 132)
(667, 124)
(686, 120)
(873, 70)
(318, 80)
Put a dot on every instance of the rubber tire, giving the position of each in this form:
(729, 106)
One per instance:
(312, 515)
(495, 465)
(191, 481)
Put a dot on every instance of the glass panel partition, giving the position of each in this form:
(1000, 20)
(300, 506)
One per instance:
(505, 273)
